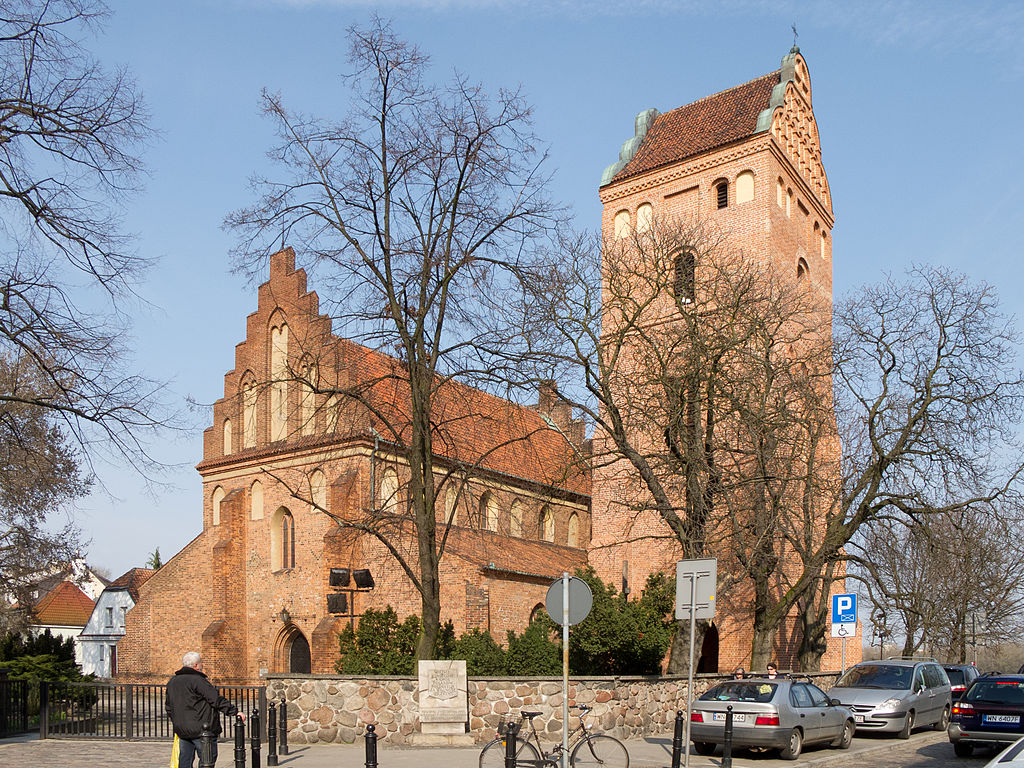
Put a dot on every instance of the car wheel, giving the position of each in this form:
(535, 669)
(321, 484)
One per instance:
(943, 723)
(796, 744)
(705, 748)
(908, 726)
(845, 739)
(962, 749)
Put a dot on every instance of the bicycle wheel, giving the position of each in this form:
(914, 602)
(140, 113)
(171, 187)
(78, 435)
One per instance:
(599, 752)
(493, 755)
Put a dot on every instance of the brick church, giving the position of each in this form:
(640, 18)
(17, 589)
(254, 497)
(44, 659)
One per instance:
(272, 578)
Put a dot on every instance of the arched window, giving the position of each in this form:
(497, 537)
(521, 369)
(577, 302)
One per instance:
(572, 538)
(227, 437)
(249, 393)
(308, 404)
(451, 500)
(515, 519)
(388, 496)
(744, 187)
(722, 194)
(256, 501)
(318, 490)
(538, 611)
(489, 512)
(801, 269)
(279, 385)
(333, 414)
(282, 540)
(622, 225)
(780, 193)
(645, 218)
(789, 202)
(547, 524)
(824, 244)
(684, 276)
(218, 497)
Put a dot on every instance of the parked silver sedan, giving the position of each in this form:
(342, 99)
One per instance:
(775, 713)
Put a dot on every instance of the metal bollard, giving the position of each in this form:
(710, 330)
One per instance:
(271, 734)
(371, 746)
(207, 747)
(511, 749)
(727, 744)
(239, 742)
(282, 729)
(677, 739)
(254, 737)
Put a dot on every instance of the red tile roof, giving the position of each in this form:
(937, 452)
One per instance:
(64, 605)
(471, 427)
(706, 124)
(133, 579)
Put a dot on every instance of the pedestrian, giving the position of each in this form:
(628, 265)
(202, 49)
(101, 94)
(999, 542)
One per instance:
(192, 702)
(739, 673)
(773, 670)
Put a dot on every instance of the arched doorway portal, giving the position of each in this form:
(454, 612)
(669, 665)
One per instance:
(709, 651)
(292, 651)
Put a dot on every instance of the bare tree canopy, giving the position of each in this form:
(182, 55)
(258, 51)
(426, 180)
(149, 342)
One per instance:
(414, 209)
(70, 133)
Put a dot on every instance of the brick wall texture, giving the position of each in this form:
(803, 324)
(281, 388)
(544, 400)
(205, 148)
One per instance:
(284, 460)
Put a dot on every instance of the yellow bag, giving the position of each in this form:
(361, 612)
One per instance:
(174, 753)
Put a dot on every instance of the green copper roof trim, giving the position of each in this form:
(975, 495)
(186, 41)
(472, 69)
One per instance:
(643, 123)
(788, 74)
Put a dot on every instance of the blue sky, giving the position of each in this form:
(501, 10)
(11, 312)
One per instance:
(918, 104)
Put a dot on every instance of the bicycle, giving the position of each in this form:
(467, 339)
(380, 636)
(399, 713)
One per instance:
(586, 750)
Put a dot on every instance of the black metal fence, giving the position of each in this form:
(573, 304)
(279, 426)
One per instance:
(13, 706)
(124, 711)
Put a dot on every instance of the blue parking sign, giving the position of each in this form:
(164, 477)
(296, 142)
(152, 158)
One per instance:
(844, 609)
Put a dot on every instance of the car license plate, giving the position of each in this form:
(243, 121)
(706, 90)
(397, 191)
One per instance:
(720, 717)
(1010, 719)
(859, 718)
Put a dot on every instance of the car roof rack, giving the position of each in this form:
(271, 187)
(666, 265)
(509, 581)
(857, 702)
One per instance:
(911, 658)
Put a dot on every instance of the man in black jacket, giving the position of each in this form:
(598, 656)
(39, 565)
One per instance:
(193, 702)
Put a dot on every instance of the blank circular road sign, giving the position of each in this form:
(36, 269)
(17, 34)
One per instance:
(581, 600)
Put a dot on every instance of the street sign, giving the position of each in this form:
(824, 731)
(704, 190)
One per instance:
(844, 609)
(581, 600)
(844, 630)
(697, 580)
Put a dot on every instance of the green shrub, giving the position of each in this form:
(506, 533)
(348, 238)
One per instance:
(380, 646)
(482, 653)
(534, 652)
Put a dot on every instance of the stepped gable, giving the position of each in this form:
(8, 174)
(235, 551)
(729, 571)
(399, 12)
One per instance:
(471, 427)
(706, 124)
(64, 605)
(132, 580)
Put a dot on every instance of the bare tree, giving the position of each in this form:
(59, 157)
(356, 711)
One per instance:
(689, 361)
(417, 206)
(947, 581)
(69, 136)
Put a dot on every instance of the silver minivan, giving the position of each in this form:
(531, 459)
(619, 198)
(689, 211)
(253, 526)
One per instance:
(896, 695)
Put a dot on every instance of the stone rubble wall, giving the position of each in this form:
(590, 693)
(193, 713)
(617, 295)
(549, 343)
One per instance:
(325, 709)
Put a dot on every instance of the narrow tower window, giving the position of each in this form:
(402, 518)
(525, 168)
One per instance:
(744, 187)
(722, 194)
(684, 267)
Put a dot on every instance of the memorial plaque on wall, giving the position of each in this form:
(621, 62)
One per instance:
(444, 705)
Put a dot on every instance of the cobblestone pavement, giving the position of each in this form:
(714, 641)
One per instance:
(926, 749)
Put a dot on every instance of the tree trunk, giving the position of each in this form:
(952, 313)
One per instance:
(812, 641)
(679, 656)
(761, 651)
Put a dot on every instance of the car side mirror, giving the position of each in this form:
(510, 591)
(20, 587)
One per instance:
(835, 703)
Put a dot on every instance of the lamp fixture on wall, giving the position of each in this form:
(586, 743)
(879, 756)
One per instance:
(284, 616)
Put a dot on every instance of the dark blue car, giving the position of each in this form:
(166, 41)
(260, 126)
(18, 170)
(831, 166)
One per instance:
(990, 713)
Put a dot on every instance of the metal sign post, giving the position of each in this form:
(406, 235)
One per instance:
(565, 670)
(568, 601)
(696, 583)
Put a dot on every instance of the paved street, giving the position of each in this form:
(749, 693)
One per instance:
(926, 749)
